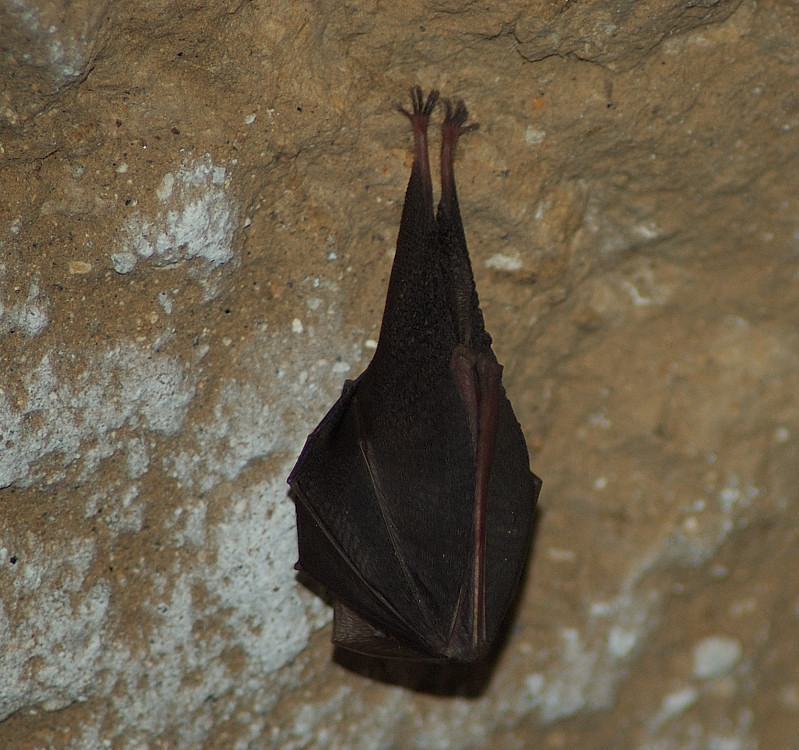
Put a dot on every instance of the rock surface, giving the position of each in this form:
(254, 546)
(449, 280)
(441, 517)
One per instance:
(198, 209)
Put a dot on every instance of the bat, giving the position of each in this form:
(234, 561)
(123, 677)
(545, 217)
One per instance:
(414, 496)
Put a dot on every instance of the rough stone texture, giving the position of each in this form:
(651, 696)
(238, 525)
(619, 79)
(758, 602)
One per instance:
(198, 208)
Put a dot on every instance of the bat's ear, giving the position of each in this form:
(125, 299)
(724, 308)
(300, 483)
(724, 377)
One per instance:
(352, 632)
(348, 627)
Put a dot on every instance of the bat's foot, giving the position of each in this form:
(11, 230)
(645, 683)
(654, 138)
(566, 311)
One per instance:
(455, 119)
(420, 117)
(452, 128)
(421, 108)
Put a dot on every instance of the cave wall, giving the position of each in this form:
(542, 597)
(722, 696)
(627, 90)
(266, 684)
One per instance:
(198, 209)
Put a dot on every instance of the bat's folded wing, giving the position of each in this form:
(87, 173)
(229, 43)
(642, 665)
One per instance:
(385, 517)
(377, 513)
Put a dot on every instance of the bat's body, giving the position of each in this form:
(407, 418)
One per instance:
(415, 499)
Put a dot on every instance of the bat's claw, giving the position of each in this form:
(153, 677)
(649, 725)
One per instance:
(455, 118)
(421, 108)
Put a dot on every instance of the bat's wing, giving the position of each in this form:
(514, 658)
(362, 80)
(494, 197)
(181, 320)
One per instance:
(343, 540)
(380, 512)
(385, 514)
(510, 513)
(506, 491)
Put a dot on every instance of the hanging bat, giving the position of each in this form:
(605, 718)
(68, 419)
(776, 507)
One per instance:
(414, 495)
